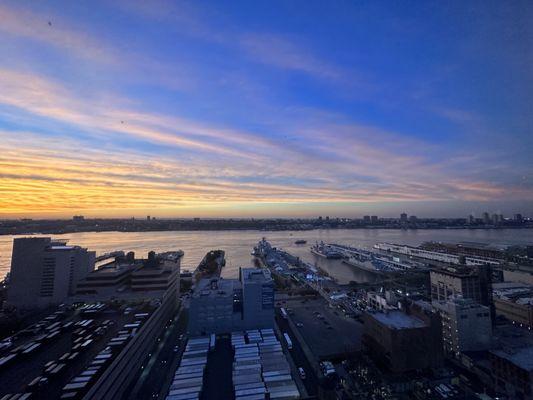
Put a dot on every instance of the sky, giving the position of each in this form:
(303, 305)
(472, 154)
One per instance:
(265, 108)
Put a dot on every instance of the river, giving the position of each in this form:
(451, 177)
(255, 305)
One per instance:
(239, 244)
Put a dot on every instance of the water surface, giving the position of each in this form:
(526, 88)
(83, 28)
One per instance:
(239, 244)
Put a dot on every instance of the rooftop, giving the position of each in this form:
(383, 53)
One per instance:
(216, 287)
(512, 291)
(399, 320)
(256, 274)
(522, 357)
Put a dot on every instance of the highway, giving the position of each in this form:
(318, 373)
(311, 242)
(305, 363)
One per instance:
(158, 371)
(311, 381)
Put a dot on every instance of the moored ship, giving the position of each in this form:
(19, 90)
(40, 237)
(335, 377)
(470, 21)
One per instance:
(326, 251)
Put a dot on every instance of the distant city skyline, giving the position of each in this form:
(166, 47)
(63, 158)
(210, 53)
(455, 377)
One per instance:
(265, 109)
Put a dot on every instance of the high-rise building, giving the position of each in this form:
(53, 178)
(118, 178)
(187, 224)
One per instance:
(486, 218)
(466, 325)
(518, 218)
(403, 217)
(374, 219)
(257, 297)
(366, 219)
(45, 271)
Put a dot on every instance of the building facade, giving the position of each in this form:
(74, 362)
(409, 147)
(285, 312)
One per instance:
(467, 282)
(45, 271)
(224, 305)
(512, 372)
(401, 342)
(466, 325)
(514, 301)
(129, 278)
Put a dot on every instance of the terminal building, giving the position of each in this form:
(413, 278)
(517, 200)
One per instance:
(225, 305)
(45, 271)
(435, 255)
(466, 325)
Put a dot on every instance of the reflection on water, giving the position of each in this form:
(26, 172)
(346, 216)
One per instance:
(239, 244)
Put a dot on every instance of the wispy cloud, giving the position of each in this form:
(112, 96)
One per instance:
(279, 51)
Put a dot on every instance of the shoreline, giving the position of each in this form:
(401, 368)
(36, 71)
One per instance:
(449, 228)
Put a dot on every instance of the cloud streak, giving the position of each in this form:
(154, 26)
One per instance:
(202, 116)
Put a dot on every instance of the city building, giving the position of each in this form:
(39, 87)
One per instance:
(480, 251)
(514, 301)
(512, 371)
(387, 300)
(486, 218)
(403, 217)
(374, 219)
(45, 271)
(128, 278)
(517, 276)
(257, 298)
(467, 282)
(466, 325)
(402, 342)
(225, 305)
(153, 281)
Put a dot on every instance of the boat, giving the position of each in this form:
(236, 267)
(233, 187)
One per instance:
(364, 265)
(211, 265)
(300, 241)
(323, 250)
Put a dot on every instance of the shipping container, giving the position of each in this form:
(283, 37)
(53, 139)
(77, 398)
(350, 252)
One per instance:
(249, 391)
(251, 385)
(192, 389)
(259, 396)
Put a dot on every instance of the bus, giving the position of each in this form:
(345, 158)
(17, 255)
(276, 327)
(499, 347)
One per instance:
(288, 340)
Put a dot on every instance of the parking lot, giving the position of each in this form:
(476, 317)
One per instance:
(326, 331)
(84, 343)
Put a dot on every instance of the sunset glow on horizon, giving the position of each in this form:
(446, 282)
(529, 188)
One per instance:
(198, 109)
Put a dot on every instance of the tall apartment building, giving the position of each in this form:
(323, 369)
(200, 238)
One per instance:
(466, 325)
(225, 305)
(45, 271)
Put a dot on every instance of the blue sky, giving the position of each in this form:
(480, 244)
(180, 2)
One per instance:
(292, 108)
